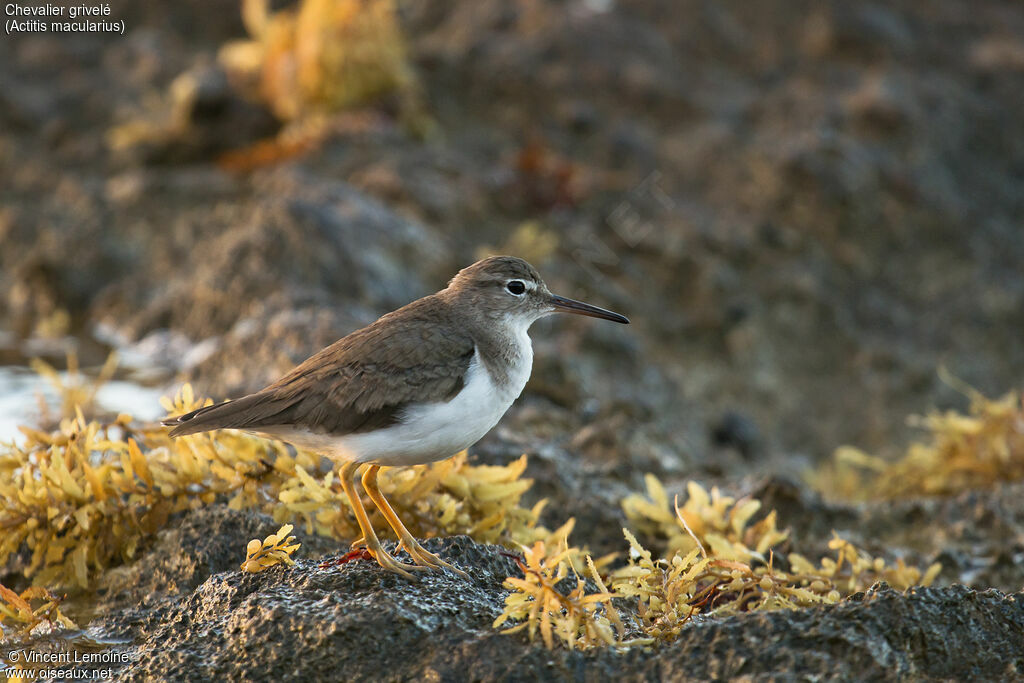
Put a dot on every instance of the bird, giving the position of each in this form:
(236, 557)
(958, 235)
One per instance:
(419, 385)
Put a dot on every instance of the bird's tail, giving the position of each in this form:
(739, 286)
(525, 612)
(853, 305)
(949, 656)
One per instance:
(228, 415)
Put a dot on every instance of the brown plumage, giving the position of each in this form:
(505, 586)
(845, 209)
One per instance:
(359, 383)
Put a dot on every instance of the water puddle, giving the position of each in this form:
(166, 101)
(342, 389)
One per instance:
(21, 390)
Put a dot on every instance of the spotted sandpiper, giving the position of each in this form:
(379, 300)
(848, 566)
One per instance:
(418, 385)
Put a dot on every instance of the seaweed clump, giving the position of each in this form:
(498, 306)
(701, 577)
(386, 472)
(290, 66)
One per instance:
(720, 522)
(276, 548)
(962, 452)
(321, 56)
(579, 619)
(444, 498)
(89, 494)
(726, 567)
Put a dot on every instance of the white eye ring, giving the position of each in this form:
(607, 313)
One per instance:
(515, 287)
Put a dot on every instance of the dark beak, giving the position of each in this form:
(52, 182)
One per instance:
(563, 305)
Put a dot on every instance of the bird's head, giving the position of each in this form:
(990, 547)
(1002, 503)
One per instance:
(509, 288)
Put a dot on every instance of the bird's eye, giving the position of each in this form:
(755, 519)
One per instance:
(515, 287)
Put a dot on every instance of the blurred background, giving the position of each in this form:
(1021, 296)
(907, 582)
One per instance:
(806, 209)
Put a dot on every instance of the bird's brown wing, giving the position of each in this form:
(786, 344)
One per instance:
(360, 383)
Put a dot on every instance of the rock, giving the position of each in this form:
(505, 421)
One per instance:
(308, 622)
(272, 280)
(975, 535)
(356, 620)
(185, 554)
(736, 430)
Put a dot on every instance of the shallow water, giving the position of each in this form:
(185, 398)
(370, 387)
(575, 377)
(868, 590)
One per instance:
(21, 389)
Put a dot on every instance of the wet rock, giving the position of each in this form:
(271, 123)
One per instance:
(201, 543)
(311, 622)
(184, 610)
(358, 621)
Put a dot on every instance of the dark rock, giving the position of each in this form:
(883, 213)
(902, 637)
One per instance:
(186, 612)
(309, 622)
(201, 543)
(736, 430)
(976, 536)
(312, 622)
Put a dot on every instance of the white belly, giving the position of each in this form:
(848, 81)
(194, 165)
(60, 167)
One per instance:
(432, 431)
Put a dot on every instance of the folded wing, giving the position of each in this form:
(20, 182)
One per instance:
(360, 383)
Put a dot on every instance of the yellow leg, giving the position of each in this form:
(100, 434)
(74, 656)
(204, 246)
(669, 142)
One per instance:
(411, 545)
(372, 543)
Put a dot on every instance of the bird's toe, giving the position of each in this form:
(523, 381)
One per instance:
(429, 559)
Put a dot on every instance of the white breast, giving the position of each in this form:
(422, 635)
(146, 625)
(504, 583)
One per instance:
(432, 431)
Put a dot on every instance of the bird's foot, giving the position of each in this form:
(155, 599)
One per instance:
(427, 559)
(385, 560)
